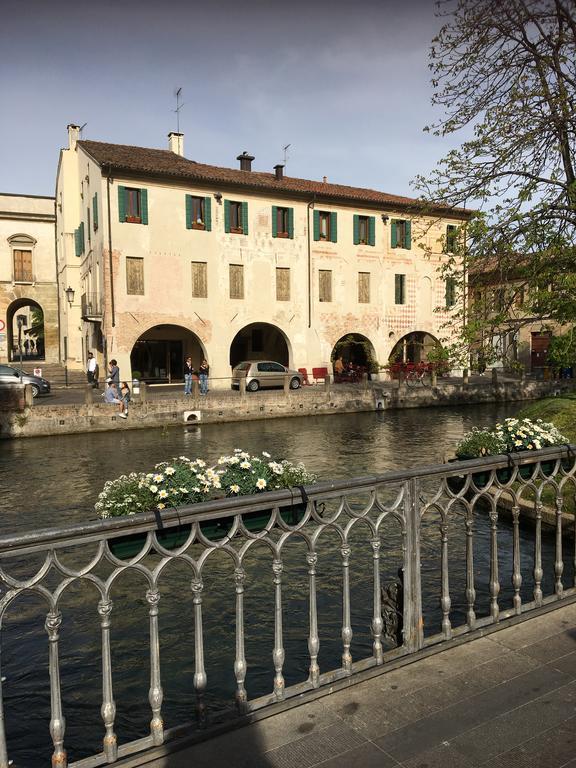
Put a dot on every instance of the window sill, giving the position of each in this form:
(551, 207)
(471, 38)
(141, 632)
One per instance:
(236, 231)
(133, 220)
(282, 234)
(23, 282)
(199, 226)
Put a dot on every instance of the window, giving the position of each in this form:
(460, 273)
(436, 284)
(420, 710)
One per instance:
(199, 280)
(22, 266)
(79, 241)
(88, 225)
(364, 230)
(450, 292)
(325, 284)
(95, 211)
(133, 205)
(451, 238)
(401, 234)
(282, 222)
(236, 281)
(364, 287)
(325, 226)
(134, 276)
(198, 213)
(282, 284)
(400, 289)
(235, 217)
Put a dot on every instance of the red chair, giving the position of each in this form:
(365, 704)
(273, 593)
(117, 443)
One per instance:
(305, 380)
(319, 373)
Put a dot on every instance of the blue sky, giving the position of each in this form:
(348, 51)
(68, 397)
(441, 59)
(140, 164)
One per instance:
(346, 84)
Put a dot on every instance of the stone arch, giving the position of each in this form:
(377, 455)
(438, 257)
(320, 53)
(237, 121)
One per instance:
(260, 341)
(413, 347)
(355, 348)
(158, 354)
(25, 330)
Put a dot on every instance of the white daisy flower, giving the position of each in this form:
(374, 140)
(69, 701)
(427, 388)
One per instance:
(235, 488)
(261, 483)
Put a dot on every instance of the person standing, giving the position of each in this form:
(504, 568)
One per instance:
(114, 374)
(203, 373)
(189, 373)
(92, 370)
(125, 396)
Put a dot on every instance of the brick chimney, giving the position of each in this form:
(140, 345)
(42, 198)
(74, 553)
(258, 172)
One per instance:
(279, 172)
(73, 135)
(245, 161)
(176, 143)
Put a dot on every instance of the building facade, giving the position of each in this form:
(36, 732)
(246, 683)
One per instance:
(169, 258)
(28, 281)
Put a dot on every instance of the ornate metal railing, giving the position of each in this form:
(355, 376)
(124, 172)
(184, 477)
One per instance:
(352, 533)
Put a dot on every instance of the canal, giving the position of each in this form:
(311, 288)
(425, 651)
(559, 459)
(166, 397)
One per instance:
(55, 481)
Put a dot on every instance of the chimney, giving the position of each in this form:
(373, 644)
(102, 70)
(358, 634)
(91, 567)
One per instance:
(73, 135)
(176, 143)
(279, 171)
(324, 179)
(245, 161)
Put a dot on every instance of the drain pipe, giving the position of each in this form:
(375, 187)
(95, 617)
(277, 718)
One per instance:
(108, 182)
(311, 205)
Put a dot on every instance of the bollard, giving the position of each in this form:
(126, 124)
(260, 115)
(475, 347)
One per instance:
(195, 389)
(434, 378)
(364, 382)
(28, 396)
(242, 386)
(143, 392)
(465, 376)
(494, 376)
(88, 389)
(327, 384)
(287, 384)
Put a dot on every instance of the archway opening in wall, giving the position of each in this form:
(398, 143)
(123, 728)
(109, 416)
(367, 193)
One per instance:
(357, 351)
(259, 341)
(158, 355)
(25, 331)
(413, 348)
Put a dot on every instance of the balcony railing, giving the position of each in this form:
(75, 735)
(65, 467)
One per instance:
(91, 305)
(468, 538)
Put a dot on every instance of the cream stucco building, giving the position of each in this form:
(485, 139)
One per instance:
(169, 257)
(28, 280)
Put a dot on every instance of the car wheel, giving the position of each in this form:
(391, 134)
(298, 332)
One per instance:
(295, 383)
(253, 386)
(35, 390)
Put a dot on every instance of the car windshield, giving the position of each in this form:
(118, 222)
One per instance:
(243, 366)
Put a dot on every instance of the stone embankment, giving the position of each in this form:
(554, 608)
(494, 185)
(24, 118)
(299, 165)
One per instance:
(19, 417)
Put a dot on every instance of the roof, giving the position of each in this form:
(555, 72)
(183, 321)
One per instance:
(164, 162)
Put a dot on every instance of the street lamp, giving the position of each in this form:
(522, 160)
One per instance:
(70, 295)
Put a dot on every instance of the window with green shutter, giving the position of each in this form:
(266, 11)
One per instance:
(133, 205)
(325, 226)
(198, 213)
(451, 242)
(401, 230)
(95, 211)
(400, 289)
(82, 239)
(235, 217)
(282, 222)
(450, 292)
(77, 246)
(364, 230)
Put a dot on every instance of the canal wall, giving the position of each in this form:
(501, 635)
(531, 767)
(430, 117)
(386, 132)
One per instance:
(20, 418)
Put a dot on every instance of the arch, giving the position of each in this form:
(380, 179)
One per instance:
(158, 354)
(26, 337)
(357, 349)
(413, 347)
(260, 341)
(22, 239)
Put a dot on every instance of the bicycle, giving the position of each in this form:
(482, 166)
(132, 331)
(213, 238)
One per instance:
(416, 376)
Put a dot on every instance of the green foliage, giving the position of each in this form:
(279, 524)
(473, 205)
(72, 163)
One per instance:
(562, 349)
(560, 410)
(478, 443)
(509, 436)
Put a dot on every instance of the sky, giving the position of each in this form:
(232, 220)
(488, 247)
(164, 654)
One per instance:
(346, 84)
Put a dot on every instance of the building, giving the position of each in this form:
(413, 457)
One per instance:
(28, 281)
(169, 257)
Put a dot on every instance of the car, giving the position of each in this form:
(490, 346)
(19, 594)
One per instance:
(262, 374)
(9, 375)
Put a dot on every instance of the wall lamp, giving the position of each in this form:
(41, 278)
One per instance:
(69, 295)
(385, 218)
(218, 197)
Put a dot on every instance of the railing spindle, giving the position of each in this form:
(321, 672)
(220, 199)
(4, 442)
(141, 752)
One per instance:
(470, 590)
(313, 639)
(240, 661)
(516, 572)
(377, 623)
(108, 708)
(346, 622)
(559, 563)
(494, 578)
(200, 678)
(445, 601)
(155, 694)
(57, 722)
(278, 652)
(538, 572)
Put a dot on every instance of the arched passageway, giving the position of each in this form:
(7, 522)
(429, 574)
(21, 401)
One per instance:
(25, 331)
(356, 349)
(413, 348)
(159, 354)
(260, 341)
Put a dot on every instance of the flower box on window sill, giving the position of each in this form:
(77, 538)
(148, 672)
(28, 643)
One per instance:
(134, 219)
(198, 225)
(282, 234)
(236, 230)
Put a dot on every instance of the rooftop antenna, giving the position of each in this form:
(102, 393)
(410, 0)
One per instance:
(82, 128)
(286, 153)
(178, 94)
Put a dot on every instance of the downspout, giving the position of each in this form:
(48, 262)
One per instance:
(310, 205)
(108, 182)
(57, 279)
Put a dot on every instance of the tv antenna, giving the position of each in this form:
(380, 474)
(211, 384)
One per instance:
(82, 128)
(286, 153)
(178, 94)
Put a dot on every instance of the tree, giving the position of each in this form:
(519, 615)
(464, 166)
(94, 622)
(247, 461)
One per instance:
(506, 71)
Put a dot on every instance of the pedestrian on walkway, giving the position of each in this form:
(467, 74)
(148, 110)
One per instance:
(203, 373)
(189, 374)
(114, 374)
(92, 371)
(125, 396)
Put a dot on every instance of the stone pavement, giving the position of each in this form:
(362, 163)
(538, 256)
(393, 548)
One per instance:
(506, 700)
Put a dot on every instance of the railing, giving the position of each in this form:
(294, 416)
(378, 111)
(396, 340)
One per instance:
(91, 305)
(328, 549)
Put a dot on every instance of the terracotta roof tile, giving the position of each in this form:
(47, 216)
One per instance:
(163, 162)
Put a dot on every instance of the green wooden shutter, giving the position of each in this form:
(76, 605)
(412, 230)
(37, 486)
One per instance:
(77, 250)
(398, 289)
(82, 238)
(394, 234)
(226, 215)
(316, 225)
(356, 229)
(244, 218)
(274, 221)
(95, 211)
(291, 223)
(144, 206)
(188, 211)
(207, 214)
(408, 230)
(371, 230)
(334, 227)
(122, 203)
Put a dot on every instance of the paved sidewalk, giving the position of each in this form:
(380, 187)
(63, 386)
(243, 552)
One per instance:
(507, 700)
